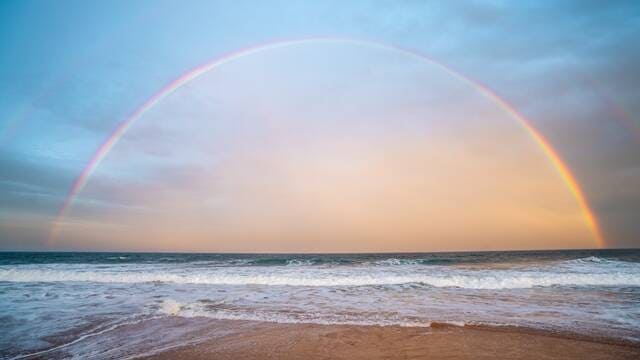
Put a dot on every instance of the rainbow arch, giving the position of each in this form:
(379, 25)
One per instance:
(113, 138)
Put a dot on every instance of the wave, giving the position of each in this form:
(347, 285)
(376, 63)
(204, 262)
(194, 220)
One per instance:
(591, 259)
(386, 262)
(327, 260)
(283, 261)
(598, 262)
(170, 307)
(400, 262)
(505, 279)
(299, 261)
(117, 258)
(391, 261)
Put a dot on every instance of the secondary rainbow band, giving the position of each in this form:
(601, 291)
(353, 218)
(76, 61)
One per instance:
(192, 74)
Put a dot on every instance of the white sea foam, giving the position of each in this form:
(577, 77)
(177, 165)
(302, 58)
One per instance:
(597, 261)
(194, 310)
(296, 262)
(170, 307)
(487, 279)
(396, 262)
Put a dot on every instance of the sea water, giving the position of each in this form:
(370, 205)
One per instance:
(118, 305)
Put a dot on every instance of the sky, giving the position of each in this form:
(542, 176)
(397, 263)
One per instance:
(351, 143)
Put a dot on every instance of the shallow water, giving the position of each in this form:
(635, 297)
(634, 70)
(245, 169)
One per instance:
(114, 304)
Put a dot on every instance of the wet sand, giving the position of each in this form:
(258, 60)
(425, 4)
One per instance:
(309, 341)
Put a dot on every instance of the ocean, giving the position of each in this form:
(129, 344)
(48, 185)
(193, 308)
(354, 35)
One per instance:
(124, 305)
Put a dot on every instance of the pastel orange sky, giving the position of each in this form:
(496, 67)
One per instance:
(289, 150)
(219, 126)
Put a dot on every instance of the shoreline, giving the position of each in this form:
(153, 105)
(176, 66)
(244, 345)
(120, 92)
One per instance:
(203, 338)
(559, 334)
(267, 340)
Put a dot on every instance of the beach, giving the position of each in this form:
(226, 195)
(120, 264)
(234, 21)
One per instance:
(311, 341)
(306, 180)
(582, 304)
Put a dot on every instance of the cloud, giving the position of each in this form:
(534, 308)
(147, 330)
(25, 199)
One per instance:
(564, 65)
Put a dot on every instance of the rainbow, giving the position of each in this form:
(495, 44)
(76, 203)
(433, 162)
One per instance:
(95, 160)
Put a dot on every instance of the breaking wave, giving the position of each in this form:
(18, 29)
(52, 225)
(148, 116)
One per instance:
(170, 307)
(487, 279)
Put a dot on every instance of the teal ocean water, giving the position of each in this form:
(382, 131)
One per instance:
(112, 305)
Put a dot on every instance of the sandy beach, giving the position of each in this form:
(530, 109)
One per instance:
(236, 180)
(256, 340)
(502, 305)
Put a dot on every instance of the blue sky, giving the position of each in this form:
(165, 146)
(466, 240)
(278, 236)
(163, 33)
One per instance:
(71, 70)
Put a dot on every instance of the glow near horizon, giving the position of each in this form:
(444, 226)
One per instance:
(562, 170)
